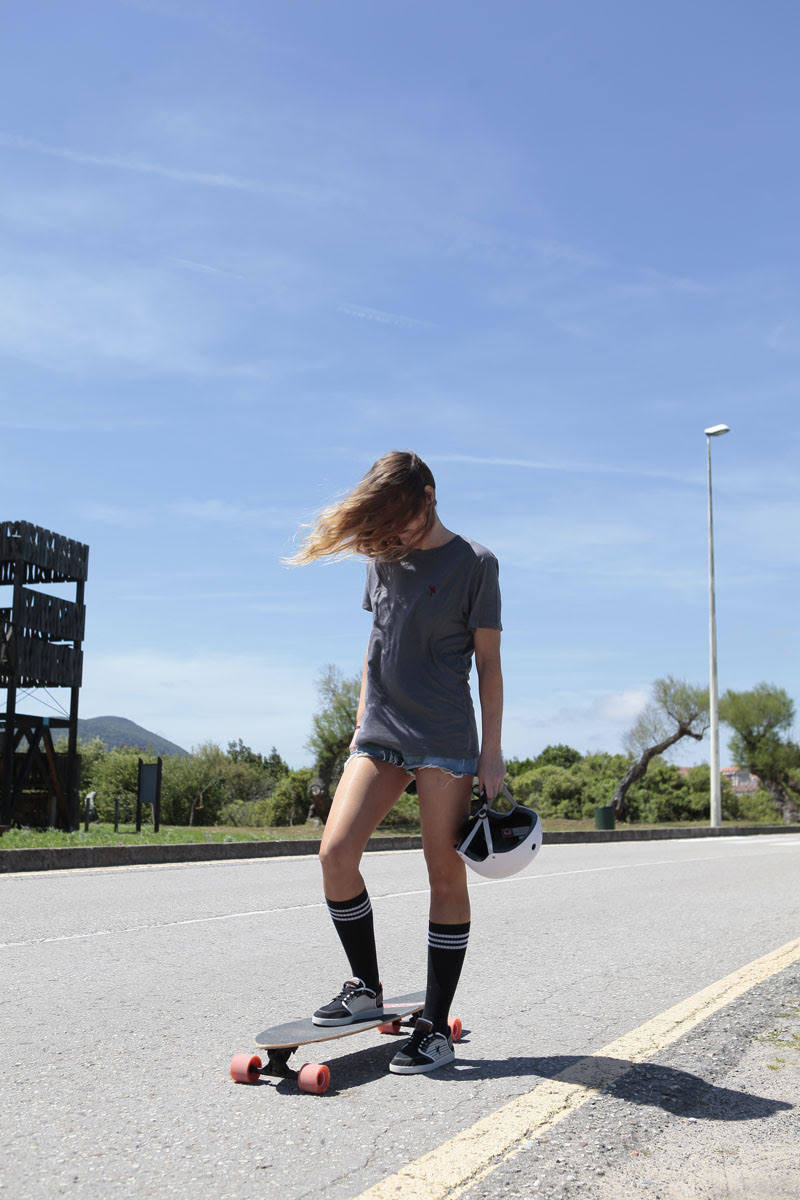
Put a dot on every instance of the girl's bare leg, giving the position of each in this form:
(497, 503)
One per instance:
(367, 791)
(444, 803)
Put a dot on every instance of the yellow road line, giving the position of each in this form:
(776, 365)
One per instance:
(467, 1158)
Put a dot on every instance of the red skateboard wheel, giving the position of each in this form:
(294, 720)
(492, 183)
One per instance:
(456, 1028)
(245, 1068)
(313, 1078)
(392, 1027)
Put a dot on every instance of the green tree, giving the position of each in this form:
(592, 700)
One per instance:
(558, 756)
(238, 752)
(332, 727)
(676, 710)
(115, 778)
(599, 773)
(288, 803)
(250, 779)
(92, 755)
(194, 784)
(760, 718)
(516, 767)
(275, 767)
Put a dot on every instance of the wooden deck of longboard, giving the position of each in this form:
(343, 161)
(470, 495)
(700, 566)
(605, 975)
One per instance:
(304, 1032)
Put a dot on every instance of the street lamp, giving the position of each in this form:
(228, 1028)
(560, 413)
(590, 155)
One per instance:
(713, 698)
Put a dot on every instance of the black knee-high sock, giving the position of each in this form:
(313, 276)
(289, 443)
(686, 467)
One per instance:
(447, 945)
(353, 921)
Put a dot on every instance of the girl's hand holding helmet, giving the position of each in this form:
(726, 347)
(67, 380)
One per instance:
(498, 844)
(491, 773)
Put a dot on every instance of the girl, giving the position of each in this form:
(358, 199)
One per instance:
(435, 601)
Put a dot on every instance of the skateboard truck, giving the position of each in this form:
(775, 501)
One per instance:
(312, 1077)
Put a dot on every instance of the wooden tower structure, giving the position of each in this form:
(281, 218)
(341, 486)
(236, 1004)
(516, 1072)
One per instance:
(41, 639)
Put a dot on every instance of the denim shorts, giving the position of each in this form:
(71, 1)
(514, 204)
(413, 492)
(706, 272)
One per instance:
(412, 762)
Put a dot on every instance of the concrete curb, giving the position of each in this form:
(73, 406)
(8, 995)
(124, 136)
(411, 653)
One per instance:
(71, 858)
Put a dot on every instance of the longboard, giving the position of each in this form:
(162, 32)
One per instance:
(281, 1041)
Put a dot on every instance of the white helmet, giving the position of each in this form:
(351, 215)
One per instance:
(497, 844)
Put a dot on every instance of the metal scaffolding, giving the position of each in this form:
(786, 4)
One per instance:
(41, 638)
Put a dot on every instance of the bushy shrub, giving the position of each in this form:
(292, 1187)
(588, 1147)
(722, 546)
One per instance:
(698, 780)
(516, 767)
(661, 795)
(289, 802)
(758, 807)
(552, 756)
(193, 788)
(527, 786)
(558, 756)
(562, 793)
(404, 817)
(243, 814)
(115, 777)
(599, 774)
(664, 794)
(552, 791)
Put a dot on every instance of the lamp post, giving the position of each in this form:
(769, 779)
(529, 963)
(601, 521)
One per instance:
(713, 697)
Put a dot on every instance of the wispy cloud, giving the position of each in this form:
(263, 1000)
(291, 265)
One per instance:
(80, 423)
(656, 282)
(785, 337)
(62, 318)
(219, 697)
(555, 251)
(775, 335)
(383, 318)
(236, 514)
(206, 268)
(596, 720)
(63, 211)
(504, 247)
(289, 192)
(559, 543)
(207, 511)
(117, 515)
(219, 19)
(121, 318)
(578, 468)
(166, 8)
(141, 166)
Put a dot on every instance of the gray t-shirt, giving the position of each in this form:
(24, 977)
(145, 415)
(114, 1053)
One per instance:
(425, 610)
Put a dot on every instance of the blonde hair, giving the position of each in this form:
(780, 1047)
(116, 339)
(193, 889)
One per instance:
(368, 520)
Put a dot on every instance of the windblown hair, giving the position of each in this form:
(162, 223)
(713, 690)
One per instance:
(368, 520)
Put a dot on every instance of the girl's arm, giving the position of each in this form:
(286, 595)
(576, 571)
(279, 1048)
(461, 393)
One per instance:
(491, 768)
(361, 703)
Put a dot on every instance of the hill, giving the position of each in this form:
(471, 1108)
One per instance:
(119, 731)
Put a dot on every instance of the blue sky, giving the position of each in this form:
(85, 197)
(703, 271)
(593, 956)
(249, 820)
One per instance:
(246, 249)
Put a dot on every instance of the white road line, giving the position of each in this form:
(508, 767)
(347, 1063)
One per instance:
(523, 877)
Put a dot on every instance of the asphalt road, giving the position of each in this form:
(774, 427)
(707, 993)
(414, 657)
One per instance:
(126, 991)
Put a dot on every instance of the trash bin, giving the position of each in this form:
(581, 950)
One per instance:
(604, 817)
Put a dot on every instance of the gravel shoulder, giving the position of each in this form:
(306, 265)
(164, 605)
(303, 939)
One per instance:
(714, 1116)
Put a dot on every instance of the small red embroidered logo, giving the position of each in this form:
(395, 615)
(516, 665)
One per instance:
(431, 590)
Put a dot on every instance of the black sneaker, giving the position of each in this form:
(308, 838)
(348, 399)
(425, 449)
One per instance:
(355, 1002)
(424, 1051)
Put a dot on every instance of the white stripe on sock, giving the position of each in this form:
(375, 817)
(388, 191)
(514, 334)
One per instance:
(351, 914)
(448, 941)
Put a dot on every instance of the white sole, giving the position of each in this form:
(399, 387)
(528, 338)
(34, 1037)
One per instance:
(423, 1068)
(374, 1014)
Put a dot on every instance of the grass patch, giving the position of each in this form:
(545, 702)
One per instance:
(783, 1038)
(101, 834)
(168, 835)
(778, 1038)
